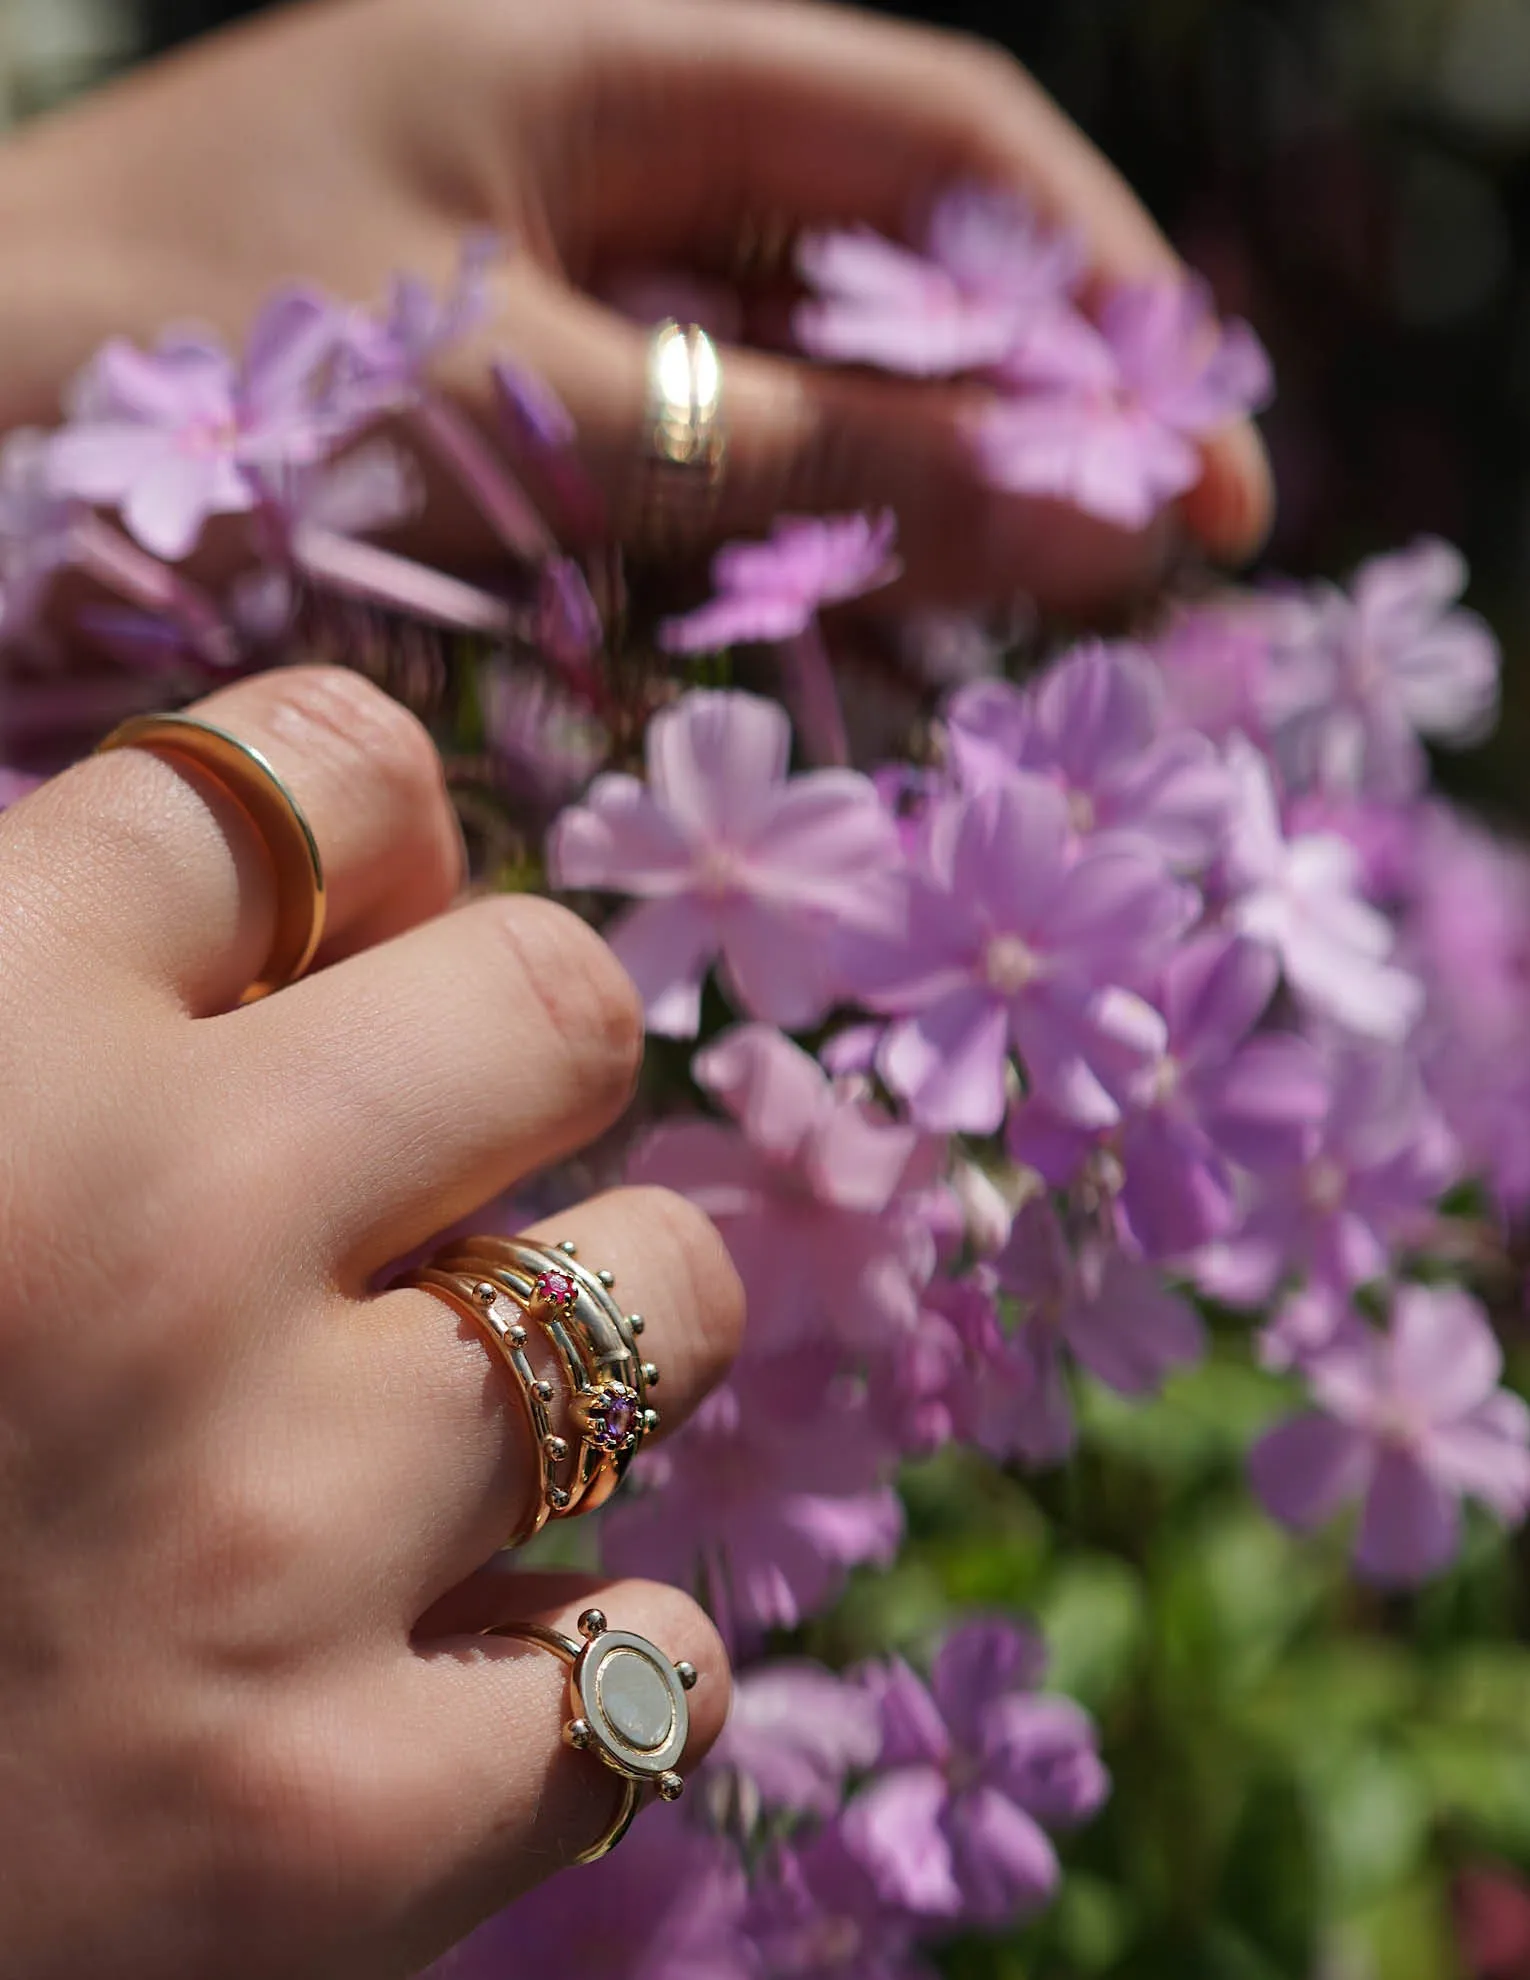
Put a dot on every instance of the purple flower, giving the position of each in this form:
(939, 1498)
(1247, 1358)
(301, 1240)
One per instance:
(37, 531)
(385, 355)
(1108, 421)
(795, 1732)
(1012, 935)
(1092, 725)
(988, 270)
(960, 1374)
(774, 590)
(1112, 1313)
(821, 1198)
(730, 858)
(667, 1905)
(1409, 1422)
(1301, 896)
(176, 435)
(815, 1913)
(971, 1769)
(1358, 678)
(1367, 1177)
(1215, 1101)
(770, 1494)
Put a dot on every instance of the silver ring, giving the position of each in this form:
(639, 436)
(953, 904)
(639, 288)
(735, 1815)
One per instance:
(683, 440)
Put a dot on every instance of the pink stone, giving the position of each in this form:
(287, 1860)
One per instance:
(557, 1288)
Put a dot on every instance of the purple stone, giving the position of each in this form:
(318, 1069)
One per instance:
(619, 1424)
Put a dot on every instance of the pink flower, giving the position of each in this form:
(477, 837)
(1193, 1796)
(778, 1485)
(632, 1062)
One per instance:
(1092, 724)
(1409, 1422)
(730, 858)
(1108, 421)
(774, 590)
(1358, 678)
(1301, 896)
(773, 1491)
(973, 1768)
(796, 1731)
(987, 270)
(821, 1198)
(1114, 1314)
(1011, 935)
(182, 433)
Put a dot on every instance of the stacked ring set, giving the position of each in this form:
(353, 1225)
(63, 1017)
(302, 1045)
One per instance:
(515, 1289)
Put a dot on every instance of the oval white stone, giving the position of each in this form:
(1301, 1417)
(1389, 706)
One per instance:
(635, 1700)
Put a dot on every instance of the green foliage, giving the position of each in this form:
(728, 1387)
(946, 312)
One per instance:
(1301, 1765)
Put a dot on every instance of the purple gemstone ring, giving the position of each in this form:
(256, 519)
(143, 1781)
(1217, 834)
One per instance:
(595, 1347)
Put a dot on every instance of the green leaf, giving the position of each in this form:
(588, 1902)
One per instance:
(1094, 1614)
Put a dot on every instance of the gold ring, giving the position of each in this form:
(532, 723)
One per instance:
(684, 441)
(627, 1705)
(595, 1344)
(499, 1318)
(246, 777)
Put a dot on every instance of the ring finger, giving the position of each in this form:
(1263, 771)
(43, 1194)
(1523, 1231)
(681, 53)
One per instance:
(445, 1467)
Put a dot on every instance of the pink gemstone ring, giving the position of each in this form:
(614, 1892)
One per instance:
(573, 1311)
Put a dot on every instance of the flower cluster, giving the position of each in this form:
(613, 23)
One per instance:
(1102, 412)
(1144, 1004)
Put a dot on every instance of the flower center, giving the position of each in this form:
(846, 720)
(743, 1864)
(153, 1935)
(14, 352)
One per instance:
(1163, 1081)
(1325, 1184)
(1008, 965)
(717, 873)
(209, 436)
(1081, 812)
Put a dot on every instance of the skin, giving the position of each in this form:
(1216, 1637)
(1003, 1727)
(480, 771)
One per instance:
(248, 1724)
(341, 141)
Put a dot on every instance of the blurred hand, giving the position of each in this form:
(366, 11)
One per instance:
(343, 140)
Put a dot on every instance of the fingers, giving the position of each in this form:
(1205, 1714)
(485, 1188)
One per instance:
(881, 117)
(803, 439)
(425, 1076)
(444, 1471)
(132, 863)
(493, 1801)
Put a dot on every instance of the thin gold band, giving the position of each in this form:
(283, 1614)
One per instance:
(244, 775)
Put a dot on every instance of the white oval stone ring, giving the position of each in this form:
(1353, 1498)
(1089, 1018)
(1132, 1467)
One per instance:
(627, 1705)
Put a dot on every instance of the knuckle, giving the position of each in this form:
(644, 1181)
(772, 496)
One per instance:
(586, 997)
(353, 726)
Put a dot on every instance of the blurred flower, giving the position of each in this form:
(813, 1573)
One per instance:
(667, 1905)
(1410, 1422)
(730, 858)
(970, 1770)
(1011, 935)
(1357, 678)
(795, 1732)
(774, 590)
(1113, 1313)
(988, 268)
(821, 1198)
(181, 433)
(1301, 896)
(768, 1496)
(1215, 1101)
(1108, 419)
(1092, 724)
(1366, 1178)
(815, 1913)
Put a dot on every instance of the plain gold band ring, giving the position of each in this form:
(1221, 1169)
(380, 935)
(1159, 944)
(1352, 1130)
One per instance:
(246, 777)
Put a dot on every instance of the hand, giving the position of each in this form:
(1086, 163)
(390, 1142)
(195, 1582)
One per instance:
(247, 1726)
(342, 141)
